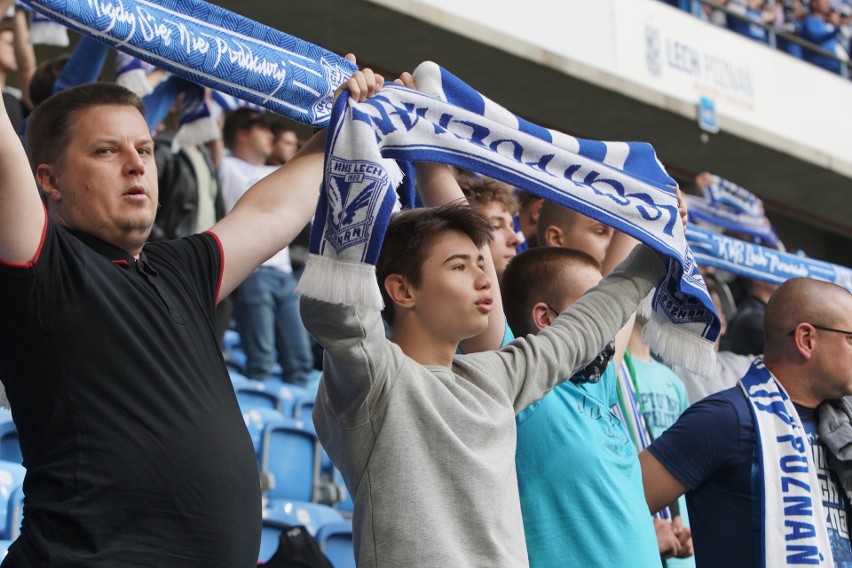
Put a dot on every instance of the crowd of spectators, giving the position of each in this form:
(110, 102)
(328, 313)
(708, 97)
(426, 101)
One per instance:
(816, 31)
(426, 394)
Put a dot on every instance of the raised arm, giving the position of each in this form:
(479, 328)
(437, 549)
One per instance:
(270, 214)
(22, 215)
(438, 186)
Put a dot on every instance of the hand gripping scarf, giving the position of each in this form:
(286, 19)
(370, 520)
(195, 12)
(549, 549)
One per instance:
(620, 184)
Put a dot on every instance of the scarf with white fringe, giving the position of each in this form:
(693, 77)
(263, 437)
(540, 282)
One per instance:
(620, 184)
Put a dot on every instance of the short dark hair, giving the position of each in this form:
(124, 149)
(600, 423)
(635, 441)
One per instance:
(410, 235)
(44, 78)
(532, 277)
(51, 124)
(482, 191)
(241, 119)
(279, 129)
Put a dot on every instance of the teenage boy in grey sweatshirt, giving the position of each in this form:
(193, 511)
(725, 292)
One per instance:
(425, 438)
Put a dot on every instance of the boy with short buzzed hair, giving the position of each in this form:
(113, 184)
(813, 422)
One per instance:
(425, 438)
(595, 515)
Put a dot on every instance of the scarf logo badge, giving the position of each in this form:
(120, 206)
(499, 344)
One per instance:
(352, 190)
(334, 75)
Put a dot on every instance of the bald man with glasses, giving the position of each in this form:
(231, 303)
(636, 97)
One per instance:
(710, 453)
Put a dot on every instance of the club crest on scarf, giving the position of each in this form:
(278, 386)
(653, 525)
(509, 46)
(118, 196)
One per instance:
(352, 190)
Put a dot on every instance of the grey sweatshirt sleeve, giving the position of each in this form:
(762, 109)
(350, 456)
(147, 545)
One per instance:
(359, 363)
(532, 365)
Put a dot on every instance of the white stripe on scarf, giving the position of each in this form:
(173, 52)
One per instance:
(399, 123)
(787, 492)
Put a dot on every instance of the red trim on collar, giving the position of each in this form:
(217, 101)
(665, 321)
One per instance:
(221, 262)
(121, 262)
(32, 262)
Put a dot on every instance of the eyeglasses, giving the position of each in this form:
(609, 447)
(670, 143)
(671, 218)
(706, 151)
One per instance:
(823, 328)
(552, 309)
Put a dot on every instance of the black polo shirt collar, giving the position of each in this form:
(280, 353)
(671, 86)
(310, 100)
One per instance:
(112, 253)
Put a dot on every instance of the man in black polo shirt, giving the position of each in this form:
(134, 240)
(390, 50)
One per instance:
(135, 448)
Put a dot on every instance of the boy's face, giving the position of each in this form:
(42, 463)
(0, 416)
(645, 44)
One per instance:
(587, 235)
(454, 297)
(503, 245)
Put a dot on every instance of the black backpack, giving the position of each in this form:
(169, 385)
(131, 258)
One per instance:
(297, 549)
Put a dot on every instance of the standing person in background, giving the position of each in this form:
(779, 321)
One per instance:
(266, 309)
(662, 398)
(285, 144)
(744, 334)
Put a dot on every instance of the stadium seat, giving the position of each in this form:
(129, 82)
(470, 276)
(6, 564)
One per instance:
(15, 512)
(289, 395)
(256, 420)
(290, 456)
(280, 515)
(251, 396)
(10, 449)
(311, 515)
(11, 478)
(304, 408)
(335, 541)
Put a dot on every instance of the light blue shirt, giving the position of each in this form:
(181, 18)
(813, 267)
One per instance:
(580, 482)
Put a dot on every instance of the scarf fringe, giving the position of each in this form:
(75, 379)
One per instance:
(677, 346)
(340, 282)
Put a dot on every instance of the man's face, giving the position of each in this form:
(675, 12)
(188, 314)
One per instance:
(454, 297)
(255, 142)
(587, 235)
(285, 147)
(831, 366)
(106, 184)
(503, 245)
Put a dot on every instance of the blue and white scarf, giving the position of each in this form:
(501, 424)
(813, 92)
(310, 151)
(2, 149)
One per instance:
(760, 263)
(214, 47)
(732, 207)
(620, 184)
(788, 505)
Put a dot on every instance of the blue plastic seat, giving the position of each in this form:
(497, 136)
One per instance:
(280, 515)
(11, 478)
(335, 541)
(290, 456)
(15, 512)
(10, 448)
(255, 396)
(288, 394)
(256, 420)
(311, 515)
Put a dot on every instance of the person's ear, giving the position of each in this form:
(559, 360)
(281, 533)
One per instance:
(541, 316)
(399, 291)
(553, 236)
(46, 179)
